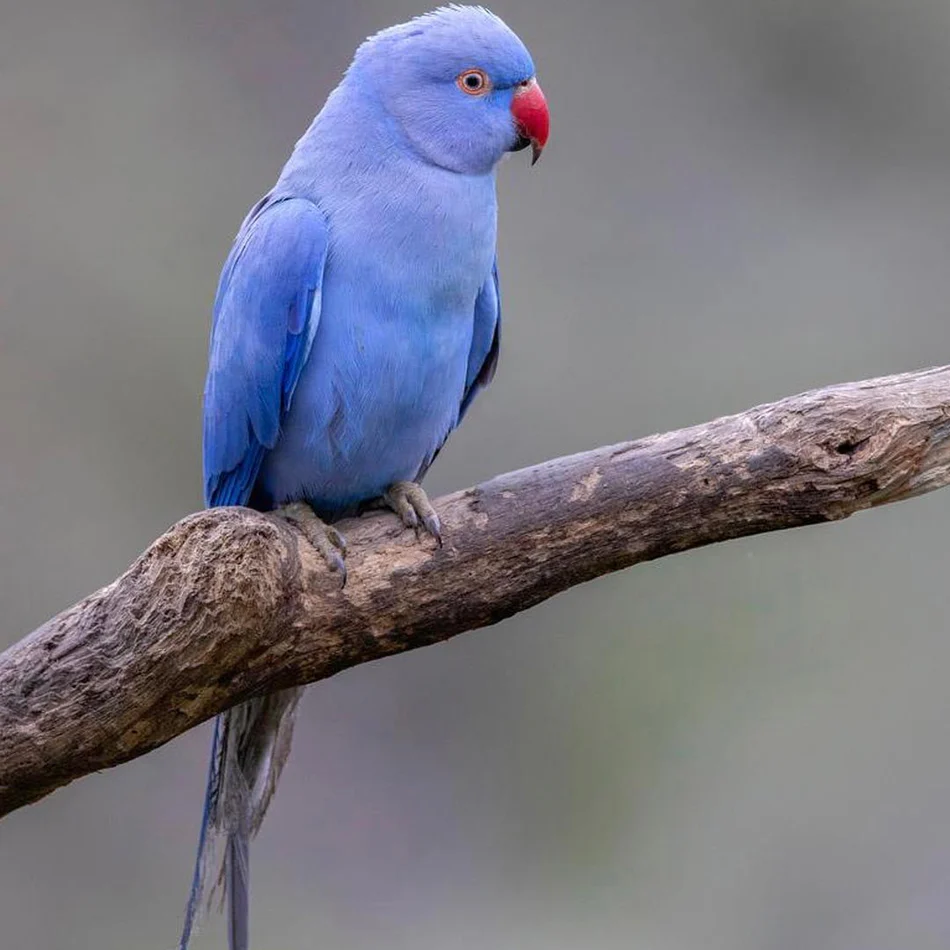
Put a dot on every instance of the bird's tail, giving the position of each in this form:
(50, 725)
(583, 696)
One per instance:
(250, 746)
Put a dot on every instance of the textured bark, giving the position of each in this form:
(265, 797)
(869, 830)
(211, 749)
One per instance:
(229, 602)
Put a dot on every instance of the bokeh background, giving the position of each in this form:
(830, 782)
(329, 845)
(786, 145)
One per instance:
(742, 747)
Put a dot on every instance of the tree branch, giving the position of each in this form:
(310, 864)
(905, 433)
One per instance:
(230, 602)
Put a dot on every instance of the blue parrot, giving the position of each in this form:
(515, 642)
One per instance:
(357, 317)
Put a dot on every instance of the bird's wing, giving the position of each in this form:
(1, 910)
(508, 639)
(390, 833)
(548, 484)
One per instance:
(482, 354)
(265, 317)
(486, 340)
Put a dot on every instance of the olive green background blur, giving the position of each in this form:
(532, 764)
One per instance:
(741, 748)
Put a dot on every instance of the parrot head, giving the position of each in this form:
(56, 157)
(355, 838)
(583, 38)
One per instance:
(459, 84)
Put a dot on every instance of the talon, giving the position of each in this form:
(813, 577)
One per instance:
(329, 543)
(336, 564)
(434, 527)
(412, 505)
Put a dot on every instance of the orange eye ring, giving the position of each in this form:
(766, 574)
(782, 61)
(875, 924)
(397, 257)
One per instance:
(473, 82)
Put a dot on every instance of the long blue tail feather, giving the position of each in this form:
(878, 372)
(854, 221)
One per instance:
(250, 746)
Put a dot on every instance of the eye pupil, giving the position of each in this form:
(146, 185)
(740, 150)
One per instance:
(473, 81)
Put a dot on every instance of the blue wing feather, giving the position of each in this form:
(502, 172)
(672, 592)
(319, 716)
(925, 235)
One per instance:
(266, 313)
(486, 341)
(482, 355)
(265, 316)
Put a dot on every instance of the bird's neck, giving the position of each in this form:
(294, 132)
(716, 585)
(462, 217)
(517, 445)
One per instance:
(358, 138)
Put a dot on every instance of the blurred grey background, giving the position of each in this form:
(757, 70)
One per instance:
(743, 747)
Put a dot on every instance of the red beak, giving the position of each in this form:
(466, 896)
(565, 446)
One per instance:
(530, 109)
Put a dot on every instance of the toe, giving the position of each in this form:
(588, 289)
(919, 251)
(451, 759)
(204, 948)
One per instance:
(336, 539)
(332, 553)
(337, 564)
(398, 498)
(408, 514)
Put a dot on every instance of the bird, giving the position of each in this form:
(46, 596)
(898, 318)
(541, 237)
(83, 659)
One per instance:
(357, 317)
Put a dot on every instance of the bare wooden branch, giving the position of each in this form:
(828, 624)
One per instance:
(230, 602)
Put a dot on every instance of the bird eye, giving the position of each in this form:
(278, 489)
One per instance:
(473, 82)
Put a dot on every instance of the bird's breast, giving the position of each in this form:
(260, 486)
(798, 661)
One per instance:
(414, 228)
(386, 374)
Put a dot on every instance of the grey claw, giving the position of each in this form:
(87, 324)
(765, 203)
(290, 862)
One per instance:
(336, 563)
(434, 527)
(340, 566)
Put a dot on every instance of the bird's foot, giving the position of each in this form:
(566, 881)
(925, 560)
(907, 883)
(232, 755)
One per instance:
(412, 505)
(330, 544)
